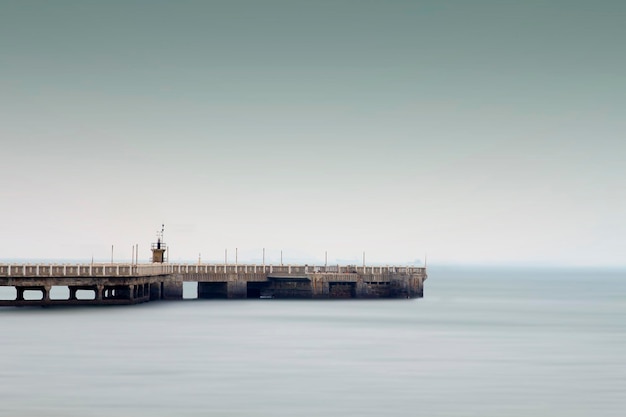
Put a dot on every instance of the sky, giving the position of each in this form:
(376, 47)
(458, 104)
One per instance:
(467, 132)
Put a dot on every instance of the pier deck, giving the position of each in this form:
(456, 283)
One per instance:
(101, 284)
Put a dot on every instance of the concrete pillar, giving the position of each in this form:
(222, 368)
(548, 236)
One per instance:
(237, 289)
(72, 293)
(20, 294)
(173, 290)
(319, 286)
(323, 289)
(46, 292)
(361, 289)
(99, 292)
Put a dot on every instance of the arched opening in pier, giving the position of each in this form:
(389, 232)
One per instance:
(8, 293)
(33, 295)
(85, 294)
(190, 290)
(116, 292)
(59, 292)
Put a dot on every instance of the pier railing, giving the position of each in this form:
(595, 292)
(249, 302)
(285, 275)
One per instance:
(128, 270)
(290, 269)
(81, 270)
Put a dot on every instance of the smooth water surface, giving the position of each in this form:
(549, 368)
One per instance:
(483, 342)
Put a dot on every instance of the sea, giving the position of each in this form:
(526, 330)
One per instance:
(482, 342)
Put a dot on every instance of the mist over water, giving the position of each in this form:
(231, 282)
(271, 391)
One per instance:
(482, 342)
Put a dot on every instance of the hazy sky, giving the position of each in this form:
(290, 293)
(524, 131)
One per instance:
(475, 131)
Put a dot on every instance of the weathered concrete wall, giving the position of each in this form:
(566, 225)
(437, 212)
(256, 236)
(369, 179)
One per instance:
(310, 285)
(320, 286)
(173, 288)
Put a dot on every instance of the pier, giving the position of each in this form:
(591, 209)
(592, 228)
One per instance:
(131, 283)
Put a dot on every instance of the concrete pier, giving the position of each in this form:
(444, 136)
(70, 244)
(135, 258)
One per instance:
(102, 284)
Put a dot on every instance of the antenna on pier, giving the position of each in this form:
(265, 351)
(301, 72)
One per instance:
(158, 248)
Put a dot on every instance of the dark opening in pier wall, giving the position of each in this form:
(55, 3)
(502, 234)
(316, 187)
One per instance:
(212, 290)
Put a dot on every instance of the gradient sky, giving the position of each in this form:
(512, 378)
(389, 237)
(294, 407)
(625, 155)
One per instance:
(474, 131)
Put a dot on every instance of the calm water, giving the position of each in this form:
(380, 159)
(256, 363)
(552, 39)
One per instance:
(482, 342)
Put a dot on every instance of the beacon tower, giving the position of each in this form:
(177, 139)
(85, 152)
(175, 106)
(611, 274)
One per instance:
(159, 248)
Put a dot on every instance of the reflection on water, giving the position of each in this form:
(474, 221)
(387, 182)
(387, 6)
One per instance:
(481, 343)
